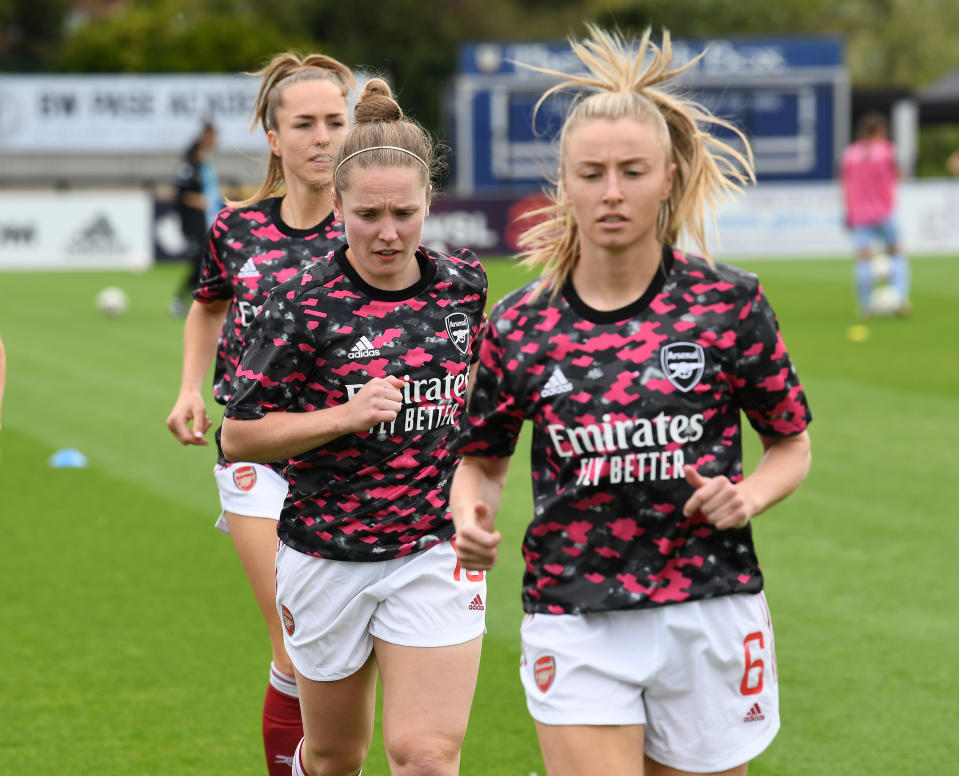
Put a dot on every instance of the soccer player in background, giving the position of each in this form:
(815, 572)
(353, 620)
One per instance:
(869, 176)
(252, 246)
(647, 644)
(357, 370)
(198, 201)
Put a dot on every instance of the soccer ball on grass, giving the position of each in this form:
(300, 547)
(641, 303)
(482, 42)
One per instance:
(112, 301)
(885, 301)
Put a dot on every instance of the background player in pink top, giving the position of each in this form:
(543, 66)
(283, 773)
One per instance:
(647, 644)
(357, 371)
(252, 246)
(869, 177)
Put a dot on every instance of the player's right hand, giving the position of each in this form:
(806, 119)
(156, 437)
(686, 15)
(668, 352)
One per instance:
(477, 541)
(189, 408)
(379, 401)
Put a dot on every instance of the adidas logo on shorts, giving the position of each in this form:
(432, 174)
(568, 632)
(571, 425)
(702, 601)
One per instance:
(476, 605)
(755, 714)
(363, 348)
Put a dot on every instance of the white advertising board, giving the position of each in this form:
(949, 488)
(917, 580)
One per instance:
(76, 230)
(806, 220)
(122, 113)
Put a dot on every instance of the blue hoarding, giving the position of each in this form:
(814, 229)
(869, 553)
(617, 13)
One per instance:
(789, 96)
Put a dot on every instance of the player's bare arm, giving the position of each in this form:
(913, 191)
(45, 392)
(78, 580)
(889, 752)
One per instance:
(474, 501)
(281, 435)
(783, 466)
(188, 421)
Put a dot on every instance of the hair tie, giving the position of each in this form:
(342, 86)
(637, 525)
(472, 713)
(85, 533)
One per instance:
(384, 148)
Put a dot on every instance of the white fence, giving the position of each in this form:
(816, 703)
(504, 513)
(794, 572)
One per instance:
(805, 220)
(76, 230)
(118, 229)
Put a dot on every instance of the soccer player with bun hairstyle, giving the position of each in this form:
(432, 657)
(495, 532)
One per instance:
(252, 246)
(357, 370)
(647, 645)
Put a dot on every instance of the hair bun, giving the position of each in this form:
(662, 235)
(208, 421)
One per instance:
(376, 103)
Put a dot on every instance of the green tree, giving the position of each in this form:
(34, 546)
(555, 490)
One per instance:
(30, 31)
(889, 43)
(414, 44)
(174, 36)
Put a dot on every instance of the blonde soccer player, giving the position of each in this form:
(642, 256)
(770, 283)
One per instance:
(647, 643)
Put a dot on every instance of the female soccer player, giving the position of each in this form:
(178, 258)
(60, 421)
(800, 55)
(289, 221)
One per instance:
(870, 178)
(252, 246)
(647, 645)
(357, 371)
(198, 203)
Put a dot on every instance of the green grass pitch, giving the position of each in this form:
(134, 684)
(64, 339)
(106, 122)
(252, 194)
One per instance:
(129, 643)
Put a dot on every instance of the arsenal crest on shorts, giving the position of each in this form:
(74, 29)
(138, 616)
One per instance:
(244, 477)
(683, 364)
(288, 622)
(458, 327)
(545, 670)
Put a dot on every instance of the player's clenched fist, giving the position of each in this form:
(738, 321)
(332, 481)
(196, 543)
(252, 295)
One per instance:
(476, 540)
(378, 401)
(720, 501)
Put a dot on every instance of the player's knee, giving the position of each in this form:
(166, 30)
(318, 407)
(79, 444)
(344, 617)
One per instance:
(324, 761)
(424, 755)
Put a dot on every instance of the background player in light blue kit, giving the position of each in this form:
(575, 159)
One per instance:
(870, 178)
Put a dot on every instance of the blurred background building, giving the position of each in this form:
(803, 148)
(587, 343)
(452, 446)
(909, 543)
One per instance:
(98, 98)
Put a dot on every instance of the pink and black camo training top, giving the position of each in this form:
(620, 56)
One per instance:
(321, 336)
(619, 401)
(250, 250)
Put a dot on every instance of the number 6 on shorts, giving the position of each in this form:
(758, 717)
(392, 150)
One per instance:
(754, 667)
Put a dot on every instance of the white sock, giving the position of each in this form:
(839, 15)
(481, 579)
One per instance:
(298, 769)
(283, 683)
(297, 762)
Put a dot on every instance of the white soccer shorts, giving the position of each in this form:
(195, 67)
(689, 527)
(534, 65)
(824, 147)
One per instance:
(701, 676)
(250, 489)
(331, 610)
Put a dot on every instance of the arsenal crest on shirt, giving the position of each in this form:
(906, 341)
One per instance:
(458, 327)
(683, 364)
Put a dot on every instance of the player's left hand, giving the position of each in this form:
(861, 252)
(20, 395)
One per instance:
(477, 540)
(718, 499)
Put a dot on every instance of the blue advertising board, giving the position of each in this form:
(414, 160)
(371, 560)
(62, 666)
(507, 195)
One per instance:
(789, 96)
